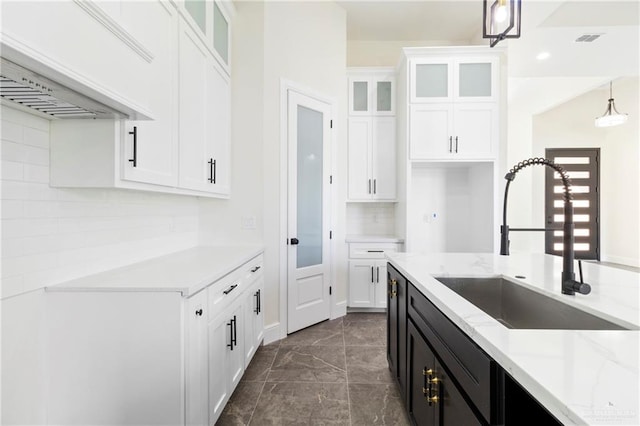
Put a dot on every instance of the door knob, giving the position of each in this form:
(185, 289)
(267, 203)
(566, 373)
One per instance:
(294, 241)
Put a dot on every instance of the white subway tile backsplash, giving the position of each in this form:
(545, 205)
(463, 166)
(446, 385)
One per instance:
(12, 170)
(51, 235)
(370, 219)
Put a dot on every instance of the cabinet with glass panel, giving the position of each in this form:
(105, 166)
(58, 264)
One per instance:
(454, 107)
(211, 20)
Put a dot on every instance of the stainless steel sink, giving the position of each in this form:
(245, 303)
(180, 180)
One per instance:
(517, 307)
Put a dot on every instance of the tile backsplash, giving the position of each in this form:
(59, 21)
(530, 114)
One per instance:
(50, 235)
(376, 219)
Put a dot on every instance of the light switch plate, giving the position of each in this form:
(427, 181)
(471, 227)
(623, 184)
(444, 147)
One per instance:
(248, 222)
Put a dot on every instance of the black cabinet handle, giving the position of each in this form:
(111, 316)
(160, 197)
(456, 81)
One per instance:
(255, 269)
(212, 170)
(199, 312)
(374, 185)
(377, 274)
(134, 160)
(372, 274)
(294, 241)
(259, 300)
(235, 332)
(369, 186)
(257, 309)
(230, 344)
(450, 143)
(456, 144)
(375, 251)
(230, 289)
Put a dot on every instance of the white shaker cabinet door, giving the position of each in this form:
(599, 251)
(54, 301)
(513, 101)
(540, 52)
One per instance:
(476, 130)
(384, 158)
(149, 147)
(431, 131)
(361, 283)
(194, 62)
(381, 284)
(218, 129)
(360, 136)
(197, 378)
(220, 334)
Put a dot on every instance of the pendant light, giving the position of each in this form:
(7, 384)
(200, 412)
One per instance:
(611, 115)
(501, 20)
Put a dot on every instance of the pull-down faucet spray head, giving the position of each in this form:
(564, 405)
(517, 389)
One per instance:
(569, 284)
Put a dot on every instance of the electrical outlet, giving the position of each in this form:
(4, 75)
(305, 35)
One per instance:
(248, 222)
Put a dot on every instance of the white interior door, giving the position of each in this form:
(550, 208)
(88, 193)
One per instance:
(308, 211)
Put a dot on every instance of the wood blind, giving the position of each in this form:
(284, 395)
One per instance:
(583, 167)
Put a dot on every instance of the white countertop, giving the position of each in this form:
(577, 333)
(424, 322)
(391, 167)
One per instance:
(187, 271)
(373, 239)
(581, 377)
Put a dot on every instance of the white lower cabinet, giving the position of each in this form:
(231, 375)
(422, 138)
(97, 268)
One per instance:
(368, 274)
(150, 357)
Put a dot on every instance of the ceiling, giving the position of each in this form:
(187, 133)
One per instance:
(547, 25)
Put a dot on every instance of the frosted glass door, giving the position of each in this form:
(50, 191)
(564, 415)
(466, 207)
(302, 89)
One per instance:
(309, 209)
(221, 34)
(475, 80)
(198, 11)
(431, 81)
(359, 90)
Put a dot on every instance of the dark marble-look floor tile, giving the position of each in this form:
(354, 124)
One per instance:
(376, 404)
(309, 364)
(327, 333)
(366, 364)
(302, 404)
(365, 332)
(260, 365)
(240, 407)
(366, 316)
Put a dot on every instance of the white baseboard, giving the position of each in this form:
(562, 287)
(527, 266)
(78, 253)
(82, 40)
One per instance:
(339, 310)
(272, 333)
(365, 310)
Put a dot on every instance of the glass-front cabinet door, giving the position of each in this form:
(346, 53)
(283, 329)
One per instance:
(372, 93)
(476, 80)
(211, 21)
(451, 79)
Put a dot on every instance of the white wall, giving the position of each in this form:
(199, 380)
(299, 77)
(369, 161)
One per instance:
(571, 125)
(50, 235)
(305, 43)
(387, 53)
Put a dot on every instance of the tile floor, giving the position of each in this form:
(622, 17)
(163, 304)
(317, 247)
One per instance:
(333, 373)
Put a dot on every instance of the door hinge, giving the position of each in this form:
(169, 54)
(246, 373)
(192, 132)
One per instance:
(329, 290)
(330, 234)
(331, 124)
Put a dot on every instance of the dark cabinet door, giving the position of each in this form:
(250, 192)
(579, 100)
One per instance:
(397, 327)
(392, 320)
(420, 360)
(453, 410)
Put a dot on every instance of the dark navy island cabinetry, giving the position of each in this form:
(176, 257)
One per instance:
(444, 377)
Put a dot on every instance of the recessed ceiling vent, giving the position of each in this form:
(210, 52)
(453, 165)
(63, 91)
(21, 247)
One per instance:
(587, 38)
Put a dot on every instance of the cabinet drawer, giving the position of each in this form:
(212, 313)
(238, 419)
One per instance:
(475, 372)
(252, 270)
(226, 290)
(371, 250)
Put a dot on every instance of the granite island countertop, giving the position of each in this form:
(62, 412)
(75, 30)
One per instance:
(580, 376)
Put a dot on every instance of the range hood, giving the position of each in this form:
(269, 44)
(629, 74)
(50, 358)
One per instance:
(37, 92)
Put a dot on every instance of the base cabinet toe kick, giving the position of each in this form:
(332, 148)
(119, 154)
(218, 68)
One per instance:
(443, 376)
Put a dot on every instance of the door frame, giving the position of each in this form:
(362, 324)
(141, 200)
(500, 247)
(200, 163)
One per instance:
(285, 86)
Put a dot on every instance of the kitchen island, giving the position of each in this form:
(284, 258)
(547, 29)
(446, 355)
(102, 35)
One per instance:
(579, 376)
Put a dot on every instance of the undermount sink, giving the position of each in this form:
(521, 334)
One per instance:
(517, 307)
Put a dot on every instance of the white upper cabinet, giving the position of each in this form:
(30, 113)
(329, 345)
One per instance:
(372, 93)
(211, 21)
(451, 79)
(204, 118)
(372, 135)
(454, 106)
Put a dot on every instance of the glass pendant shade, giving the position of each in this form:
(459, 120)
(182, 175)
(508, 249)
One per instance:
(611, 115)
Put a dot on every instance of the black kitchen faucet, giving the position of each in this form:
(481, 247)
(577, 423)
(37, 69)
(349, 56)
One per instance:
(569, 283)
